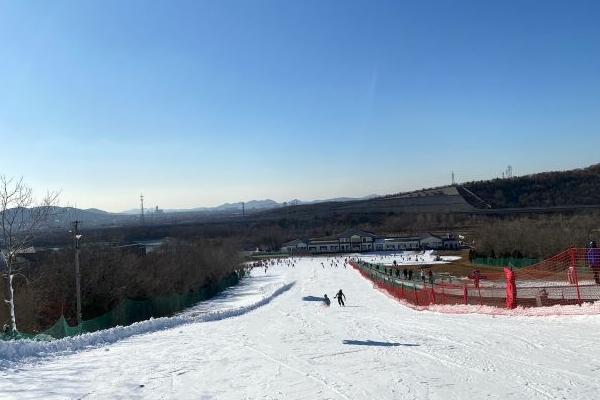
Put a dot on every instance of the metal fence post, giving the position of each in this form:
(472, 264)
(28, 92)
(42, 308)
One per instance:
(416, 295)
(574, 265)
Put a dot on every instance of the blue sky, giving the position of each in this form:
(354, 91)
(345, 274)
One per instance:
(198, 103)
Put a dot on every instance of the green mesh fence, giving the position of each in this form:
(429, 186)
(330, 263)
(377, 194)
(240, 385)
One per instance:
(506, 261)
(130, 311)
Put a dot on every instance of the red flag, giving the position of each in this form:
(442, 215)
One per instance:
(511, 289)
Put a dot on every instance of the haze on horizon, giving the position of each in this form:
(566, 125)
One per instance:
(198, 103)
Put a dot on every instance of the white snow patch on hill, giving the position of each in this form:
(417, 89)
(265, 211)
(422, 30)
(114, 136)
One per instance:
(408, 258)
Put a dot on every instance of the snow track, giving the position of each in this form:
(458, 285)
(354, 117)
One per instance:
(292, 347)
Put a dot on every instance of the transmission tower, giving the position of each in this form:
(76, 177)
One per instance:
(142, 208)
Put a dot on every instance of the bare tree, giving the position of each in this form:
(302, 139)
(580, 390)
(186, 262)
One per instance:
(21, 217)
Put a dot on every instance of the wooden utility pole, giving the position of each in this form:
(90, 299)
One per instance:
(76, 238)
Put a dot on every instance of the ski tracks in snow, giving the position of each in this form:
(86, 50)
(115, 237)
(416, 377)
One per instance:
(294, 349)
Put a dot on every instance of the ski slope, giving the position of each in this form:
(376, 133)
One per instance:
(280, 346)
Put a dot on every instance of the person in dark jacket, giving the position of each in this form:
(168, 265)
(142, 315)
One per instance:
(326, 300)
(593, 259)
(340, 296)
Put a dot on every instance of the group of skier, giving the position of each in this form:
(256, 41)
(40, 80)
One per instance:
(340, 296)
(288, 262)
(333, 263)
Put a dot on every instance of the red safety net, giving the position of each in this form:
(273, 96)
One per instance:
(571, 278)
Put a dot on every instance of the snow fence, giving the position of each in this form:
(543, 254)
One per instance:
(18, 350)
(130, 311)
(570, 278)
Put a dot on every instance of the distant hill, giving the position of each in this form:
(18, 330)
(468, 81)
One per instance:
(547, 189)
(438, 200)
(61, 217)
(252, 205)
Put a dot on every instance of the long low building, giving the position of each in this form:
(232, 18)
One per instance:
(356, 240)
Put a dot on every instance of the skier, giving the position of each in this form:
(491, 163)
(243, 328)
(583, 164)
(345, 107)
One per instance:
(340, 298)
(326, 300)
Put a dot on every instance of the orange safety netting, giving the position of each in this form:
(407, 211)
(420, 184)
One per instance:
(568, 278)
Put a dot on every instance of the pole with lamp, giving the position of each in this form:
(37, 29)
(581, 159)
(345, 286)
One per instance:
(76, 238)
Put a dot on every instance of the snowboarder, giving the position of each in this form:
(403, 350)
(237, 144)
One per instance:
(340, 296)
(326, 300)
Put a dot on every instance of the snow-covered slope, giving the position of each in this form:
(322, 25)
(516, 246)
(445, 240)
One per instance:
(292, 347)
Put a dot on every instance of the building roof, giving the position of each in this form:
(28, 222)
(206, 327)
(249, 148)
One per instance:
(323, 241)
(428, 235)
(403, 239)
(450, 239)
(358, 232)
(293, 242)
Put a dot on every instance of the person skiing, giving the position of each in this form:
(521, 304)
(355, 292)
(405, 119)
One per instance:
(340, 296)
(326, 300)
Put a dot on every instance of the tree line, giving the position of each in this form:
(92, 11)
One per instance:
(45, 289)
(547, 189)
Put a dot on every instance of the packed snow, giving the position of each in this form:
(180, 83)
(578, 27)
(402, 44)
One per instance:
(273, 338)
(407, 258)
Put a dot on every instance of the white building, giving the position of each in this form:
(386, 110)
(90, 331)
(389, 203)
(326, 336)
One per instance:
(450, 242)
(324, 246)
(430, 241)
(402, 243)
(356, 240)
(294, 246)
